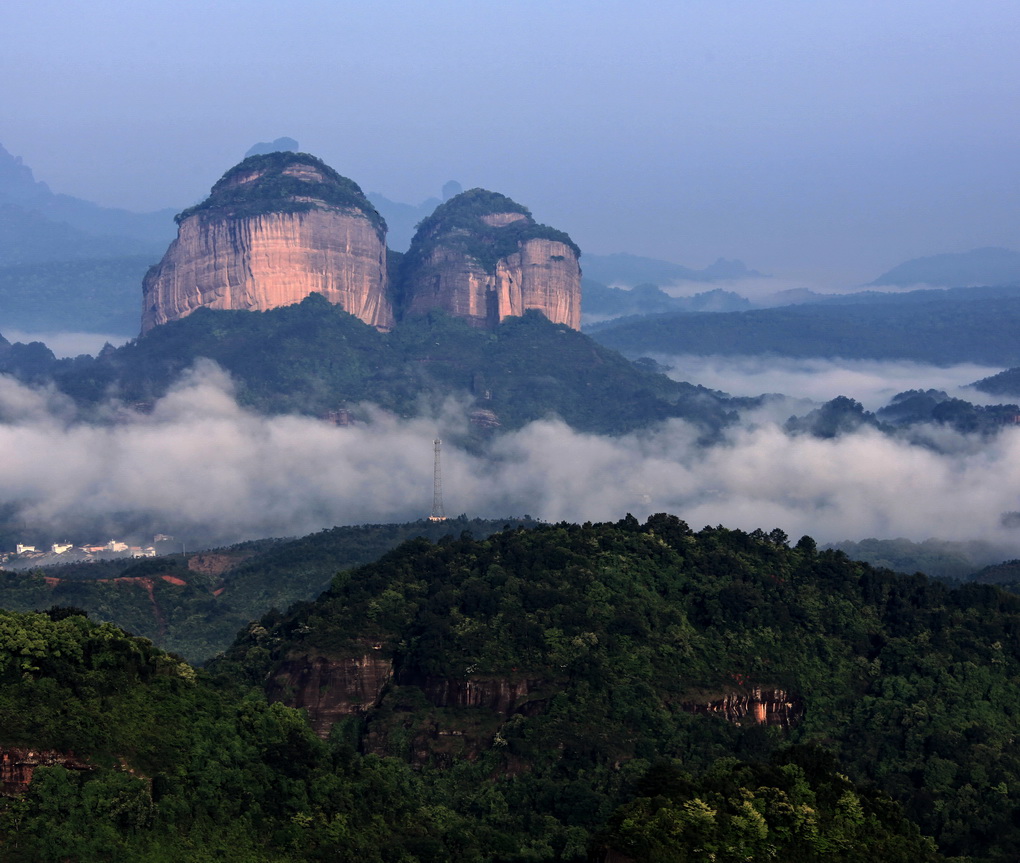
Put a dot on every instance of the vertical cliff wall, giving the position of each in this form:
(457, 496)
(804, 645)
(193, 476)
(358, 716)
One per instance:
(274, 229)
(481, 256)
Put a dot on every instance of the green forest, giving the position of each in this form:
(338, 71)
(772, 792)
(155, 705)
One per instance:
(628, 691)
(194, 604)
(312, 358)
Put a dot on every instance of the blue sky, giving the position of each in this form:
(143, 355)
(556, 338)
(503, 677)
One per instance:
(825, 141)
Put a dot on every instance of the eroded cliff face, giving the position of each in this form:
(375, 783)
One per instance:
(18, 763)
(490, 266)
(543, 275)
(498, 694)
(274, 230)
(329, 689)
(453, 281)
(756, 706)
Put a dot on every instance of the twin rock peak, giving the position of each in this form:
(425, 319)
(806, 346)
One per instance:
(280, 226)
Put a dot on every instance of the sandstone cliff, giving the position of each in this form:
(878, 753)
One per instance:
(329, 689)
(482, 257)
(18, 764)
(274, 229)
(752, 706)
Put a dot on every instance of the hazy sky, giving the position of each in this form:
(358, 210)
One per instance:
(818, 140)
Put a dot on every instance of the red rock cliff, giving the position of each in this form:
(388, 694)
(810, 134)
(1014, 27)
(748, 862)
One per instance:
(329, 689)
(18, 763)
(754, 706)
(275, 229)
(482, 257)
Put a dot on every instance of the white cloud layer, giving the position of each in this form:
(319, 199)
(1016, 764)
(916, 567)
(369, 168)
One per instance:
(871, 382)
(199, 462)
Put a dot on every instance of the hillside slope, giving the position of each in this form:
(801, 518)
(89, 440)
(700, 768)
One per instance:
(570, 656)
(313, 358)
(603, 692)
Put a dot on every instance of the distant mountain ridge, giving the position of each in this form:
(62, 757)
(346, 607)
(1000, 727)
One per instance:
(626, 269)
(68, 264)
(647, 299)
(985, 266)
(934, 326)
(314, 358)
(19, 188)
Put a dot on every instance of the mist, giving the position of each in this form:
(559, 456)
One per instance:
(199, 462)
(871, 382)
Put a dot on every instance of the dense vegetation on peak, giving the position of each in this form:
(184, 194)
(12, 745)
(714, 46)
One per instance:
(170, 765)
(620, 632)
(275, 191)
(313, 357)
(1005, 383)
(458, 224)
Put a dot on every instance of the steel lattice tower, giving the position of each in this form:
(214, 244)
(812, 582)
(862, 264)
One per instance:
(437, 487)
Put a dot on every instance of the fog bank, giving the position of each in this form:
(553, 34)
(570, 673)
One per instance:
(871, 382)
(199, 462)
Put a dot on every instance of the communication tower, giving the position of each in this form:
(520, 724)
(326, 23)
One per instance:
(437, 487)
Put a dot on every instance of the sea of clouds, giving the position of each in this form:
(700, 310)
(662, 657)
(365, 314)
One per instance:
(200, 463)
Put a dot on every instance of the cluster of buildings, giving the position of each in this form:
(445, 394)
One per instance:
(65, 552)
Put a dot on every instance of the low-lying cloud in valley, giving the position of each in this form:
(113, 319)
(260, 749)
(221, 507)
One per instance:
(200, 463)
(871, 382)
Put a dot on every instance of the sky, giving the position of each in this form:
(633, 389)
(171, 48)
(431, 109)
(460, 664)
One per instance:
(819, 141)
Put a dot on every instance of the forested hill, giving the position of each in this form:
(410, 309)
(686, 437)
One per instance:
(934, 327)
(619, 691)
(314, 358)
(574, 658)
(194, 604)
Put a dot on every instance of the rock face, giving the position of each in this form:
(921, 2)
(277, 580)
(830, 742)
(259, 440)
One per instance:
(275, 229)
(482, 257)
(329, 689)
(756, 706)
(498, 694)
(17, 764)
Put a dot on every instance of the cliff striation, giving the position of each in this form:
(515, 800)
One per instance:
(754, 706)
(18, 764)
(482, 257)
(329, 689)
(274, 229)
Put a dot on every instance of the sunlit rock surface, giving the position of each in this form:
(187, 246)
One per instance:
(482, 257)
(755, 706)
(275, 229)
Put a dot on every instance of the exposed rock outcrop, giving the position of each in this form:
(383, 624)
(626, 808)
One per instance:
(18, 763)
(329, 689)
(754, 706)
(482, 257)
(499, 694)
(275, 229)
